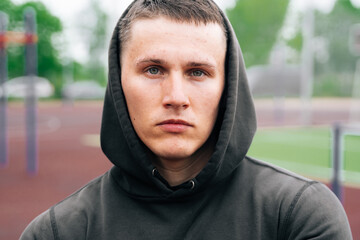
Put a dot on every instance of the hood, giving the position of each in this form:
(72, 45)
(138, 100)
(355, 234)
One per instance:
(133, 168)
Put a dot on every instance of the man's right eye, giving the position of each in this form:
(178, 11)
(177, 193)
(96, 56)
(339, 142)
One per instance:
(153, 70)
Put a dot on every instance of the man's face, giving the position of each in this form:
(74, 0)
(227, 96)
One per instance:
(173, 76)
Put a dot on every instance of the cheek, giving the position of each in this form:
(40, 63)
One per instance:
(140, 102)
(208, 109)
(212, 110)
(133, 97)
(211, 99)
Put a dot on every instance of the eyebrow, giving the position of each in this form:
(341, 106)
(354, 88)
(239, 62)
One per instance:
(190, 64)
(150, 60)
(200, 64)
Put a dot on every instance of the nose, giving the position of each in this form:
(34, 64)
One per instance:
(174, 94)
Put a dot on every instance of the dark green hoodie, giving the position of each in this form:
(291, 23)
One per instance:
(233, 197)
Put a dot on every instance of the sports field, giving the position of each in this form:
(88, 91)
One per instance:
(307, 151)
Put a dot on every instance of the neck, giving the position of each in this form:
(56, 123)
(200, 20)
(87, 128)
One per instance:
(178, 171)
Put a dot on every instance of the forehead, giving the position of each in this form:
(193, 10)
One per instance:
(161, 20)
(155, 35)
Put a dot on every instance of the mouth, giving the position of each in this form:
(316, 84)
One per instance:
(175, 121)
(174, 125)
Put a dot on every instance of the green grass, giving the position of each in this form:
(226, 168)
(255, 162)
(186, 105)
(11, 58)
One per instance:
(306, 151)
(352, 153)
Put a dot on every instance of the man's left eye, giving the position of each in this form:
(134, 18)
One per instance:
(153, 70)
(197, 73)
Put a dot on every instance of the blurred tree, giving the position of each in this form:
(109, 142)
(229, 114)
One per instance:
(256, 24)
(335, 28)
(333, 77)
(93, 27)
(295, 42)
(49, 65)
(6, 6)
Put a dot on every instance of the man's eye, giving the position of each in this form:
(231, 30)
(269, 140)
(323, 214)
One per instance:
(153, 70)
(197, 73)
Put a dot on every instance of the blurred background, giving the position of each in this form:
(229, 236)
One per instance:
(303, 64)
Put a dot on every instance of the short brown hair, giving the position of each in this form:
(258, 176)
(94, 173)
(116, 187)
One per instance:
(191, 11)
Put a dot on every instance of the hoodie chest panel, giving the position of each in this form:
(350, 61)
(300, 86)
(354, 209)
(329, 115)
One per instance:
(218, 214)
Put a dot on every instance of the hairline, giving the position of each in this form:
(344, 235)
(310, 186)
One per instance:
(127, 38)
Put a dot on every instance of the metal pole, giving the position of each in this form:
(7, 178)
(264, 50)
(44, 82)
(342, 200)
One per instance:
(278, 62)
(31, 73)
(307, 65)
(68, 76)
(3, 100)
(337, 162)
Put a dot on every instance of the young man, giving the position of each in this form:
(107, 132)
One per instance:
(178, 120)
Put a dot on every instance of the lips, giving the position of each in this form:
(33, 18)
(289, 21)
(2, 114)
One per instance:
(175, 121)
(174, 125)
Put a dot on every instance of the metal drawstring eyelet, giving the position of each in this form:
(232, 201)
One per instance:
(192, 184)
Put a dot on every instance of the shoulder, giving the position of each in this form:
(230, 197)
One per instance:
(71, 213)
(307, 208)
(268, 180)
(269, 171)
(316, 211)
(39, 228)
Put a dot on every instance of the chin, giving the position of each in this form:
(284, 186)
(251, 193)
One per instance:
(174, 150)
(174, 155)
